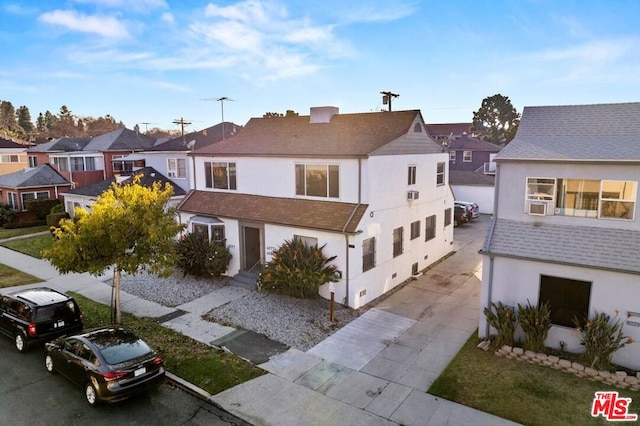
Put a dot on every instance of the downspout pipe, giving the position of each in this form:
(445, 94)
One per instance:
(487, 248)
(346, 235)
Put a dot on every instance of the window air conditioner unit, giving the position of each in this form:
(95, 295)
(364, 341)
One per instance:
(413, 195)
(537, 208)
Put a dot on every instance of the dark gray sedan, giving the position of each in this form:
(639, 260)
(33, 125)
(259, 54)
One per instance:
(110, 363)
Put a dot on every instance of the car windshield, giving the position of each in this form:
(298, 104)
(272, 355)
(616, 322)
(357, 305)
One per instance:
(119, 345)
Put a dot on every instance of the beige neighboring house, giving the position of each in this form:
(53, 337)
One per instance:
(13, 156)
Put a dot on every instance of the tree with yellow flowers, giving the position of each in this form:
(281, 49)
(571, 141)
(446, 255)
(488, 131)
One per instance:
(130, 228)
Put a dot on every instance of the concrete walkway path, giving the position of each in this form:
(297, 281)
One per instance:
(374, 371)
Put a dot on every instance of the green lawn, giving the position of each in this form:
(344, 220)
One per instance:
(32, 246)
(10, 277)
(8, 233)
(205, 367)
(521, 392)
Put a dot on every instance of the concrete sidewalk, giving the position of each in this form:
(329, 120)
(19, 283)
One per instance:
(374, 371)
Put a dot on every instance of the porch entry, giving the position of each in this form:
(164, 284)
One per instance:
(251, 236)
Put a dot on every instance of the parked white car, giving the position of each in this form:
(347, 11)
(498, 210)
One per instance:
(472, 208)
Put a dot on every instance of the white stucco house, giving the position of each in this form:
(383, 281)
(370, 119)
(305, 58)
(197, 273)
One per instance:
(566, 227)
(171, 157)
(372, 187)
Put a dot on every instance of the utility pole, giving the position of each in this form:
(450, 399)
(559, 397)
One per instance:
(386, 98)
(182, 123)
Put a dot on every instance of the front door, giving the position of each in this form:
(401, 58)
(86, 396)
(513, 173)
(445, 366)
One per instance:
(251, 246)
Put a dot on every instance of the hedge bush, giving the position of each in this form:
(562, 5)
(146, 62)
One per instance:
(41, 207)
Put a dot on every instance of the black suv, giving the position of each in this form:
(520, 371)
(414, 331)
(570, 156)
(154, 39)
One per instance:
(38, 315)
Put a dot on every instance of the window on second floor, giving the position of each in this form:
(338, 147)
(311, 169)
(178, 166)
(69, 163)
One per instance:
(33, 161)
(80, 164)
(9, 158)
(411, 175)
(176, 168)
(397, 241)
(318, 180)
(220, 175)
(452, 155)
(467, 156)
(610, 199)
(62, 163)
(440, 174)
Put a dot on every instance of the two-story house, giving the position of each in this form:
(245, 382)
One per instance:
(472, 170)
(371, 188)
(13, 156)
(84, 161)
(566, 227)
(170, 157)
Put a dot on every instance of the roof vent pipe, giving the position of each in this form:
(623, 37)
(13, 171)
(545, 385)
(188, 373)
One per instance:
(322, 114)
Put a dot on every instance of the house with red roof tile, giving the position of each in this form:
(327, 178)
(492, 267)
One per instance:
(371, 187)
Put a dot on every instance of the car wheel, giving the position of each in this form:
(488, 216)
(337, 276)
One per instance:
(20, 341)
(90, 394)
(48, 363)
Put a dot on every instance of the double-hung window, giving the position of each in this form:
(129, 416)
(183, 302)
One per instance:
(447, 217)
(220, 175)
(177, 168)
(467, 156)
(440, 174)
(415, 229)
(618, 199)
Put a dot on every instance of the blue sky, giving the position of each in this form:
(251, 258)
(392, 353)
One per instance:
(157, 60)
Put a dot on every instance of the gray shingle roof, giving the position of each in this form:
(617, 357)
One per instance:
(43, 175)
(61, 145)
(202, 138)
(121, 139)
(601, 248)
(607, 132)
(149, 177)
(5, 143)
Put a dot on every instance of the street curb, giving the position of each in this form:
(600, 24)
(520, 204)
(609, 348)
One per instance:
(187, 386)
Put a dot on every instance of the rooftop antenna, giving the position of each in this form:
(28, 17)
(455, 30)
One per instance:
(146, 126)
(386, 98)
(221, 100)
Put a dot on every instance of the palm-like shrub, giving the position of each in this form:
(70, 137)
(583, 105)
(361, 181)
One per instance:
(535, 322)
(503, 321)
(601, 338)
(297, 270)
(200, 257)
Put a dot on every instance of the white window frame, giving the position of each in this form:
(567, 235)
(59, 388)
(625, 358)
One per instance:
(302, 175)
(467, 156)
(452, 155)
(411, 174)
(440, 174)
(174, 168)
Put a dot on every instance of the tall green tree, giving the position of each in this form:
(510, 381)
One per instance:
(130, 229)
(24, 119)
(496, 120)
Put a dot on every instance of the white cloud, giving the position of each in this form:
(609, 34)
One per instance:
(18, 9)
(137, 5)
(168, 18)
(250, 11)
(170, 86)
(105, 26)
(231, 34)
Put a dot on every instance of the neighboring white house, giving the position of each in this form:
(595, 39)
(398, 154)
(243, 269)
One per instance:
(372, 188)
(566, 226)
(170, 157)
